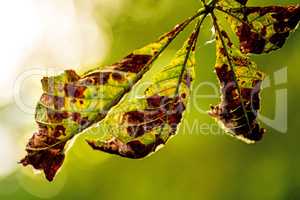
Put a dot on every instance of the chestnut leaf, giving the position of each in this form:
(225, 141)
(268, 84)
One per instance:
(262, 29)
(70, 103)
(136, 127)
(94, 101)
(240, 82)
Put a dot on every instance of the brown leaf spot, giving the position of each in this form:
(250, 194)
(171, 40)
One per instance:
(133, 149)
(134, 117)
(84, 122)
(161, 110)
(72, 76)
(48, 160)
(97, 78)
(59, 130)
(56, 116)
(113, 146)
(188, 79)
(133, 63)
(243, 2)
(50, 100)
(279, 39)
(174, 32)
(224, 74)
(76, 117)
(140, 150)
(175, 117)
(250, 42)
(117, 76)
(75, 91)
(156, 101)
(241, 61)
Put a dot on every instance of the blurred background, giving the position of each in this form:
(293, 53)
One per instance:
(38, 36)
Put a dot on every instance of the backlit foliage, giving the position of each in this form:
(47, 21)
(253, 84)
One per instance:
(72, 103)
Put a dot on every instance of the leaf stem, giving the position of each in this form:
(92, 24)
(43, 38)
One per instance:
(190, 47)
(183, 25)
(208, 8)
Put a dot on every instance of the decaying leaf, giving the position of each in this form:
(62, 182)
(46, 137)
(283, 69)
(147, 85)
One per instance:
(262, 29)
(71, 102)
(134, 128)
(137, 127)
(240, 86)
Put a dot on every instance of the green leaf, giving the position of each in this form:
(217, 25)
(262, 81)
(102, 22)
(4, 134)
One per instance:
(240, 82)
(71, 102)
(137, 127)
(262, 29)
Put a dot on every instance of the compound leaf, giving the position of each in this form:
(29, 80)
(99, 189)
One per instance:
(70, 102)
(240, 82)
(137, 127)
(262, 29)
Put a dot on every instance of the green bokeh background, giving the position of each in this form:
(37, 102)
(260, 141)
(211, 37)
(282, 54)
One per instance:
(198, 164)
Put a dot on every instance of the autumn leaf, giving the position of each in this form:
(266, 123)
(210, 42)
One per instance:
(240, 82)
(70, 102)
(137, 127)
(73, 103)
(262, 29)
